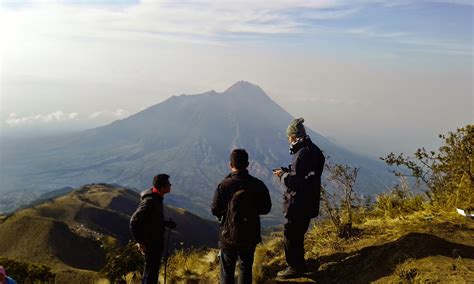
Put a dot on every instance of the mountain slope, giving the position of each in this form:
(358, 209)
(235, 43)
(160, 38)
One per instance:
(65, 232)
(47, 241)
(188, 137)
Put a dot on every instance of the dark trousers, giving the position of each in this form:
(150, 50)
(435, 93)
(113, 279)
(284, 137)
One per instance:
(294, 242)
(152, 267)
(228, 259)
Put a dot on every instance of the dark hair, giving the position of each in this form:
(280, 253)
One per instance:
(239, 159)
(160, 180)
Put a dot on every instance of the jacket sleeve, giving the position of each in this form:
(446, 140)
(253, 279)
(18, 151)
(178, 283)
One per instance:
(138, 220)
(217, 206)
(295, 179)
(264, 201)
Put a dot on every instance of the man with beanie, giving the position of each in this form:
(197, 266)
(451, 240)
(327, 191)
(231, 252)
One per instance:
(148, 226)
(302, 180)
(238, 202)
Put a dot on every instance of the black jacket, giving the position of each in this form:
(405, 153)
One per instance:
(231, 184)
(303, 181)
(147, 223)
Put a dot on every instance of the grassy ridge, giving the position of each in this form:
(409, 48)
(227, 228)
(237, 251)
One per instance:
(47, 241)
(68, 233)
(425, 245)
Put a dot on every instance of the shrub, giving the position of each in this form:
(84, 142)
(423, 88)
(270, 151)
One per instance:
(24, 272)
(397, 202)
(121, 260)
(339, 205)
(447, 174)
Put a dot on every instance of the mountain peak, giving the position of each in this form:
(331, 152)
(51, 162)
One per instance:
(244, 87)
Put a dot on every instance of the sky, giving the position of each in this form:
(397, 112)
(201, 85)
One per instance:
(374, 76)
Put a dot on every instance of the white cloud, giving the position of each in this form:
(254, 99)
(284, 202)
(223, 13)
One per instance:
(14, 120)
(413, 42)
(202, 22)
(371, 32)
(456, 2)
(109, 114)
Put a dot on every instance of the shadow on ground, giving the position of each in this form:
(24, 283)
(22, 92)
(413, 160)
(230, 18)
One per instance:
(375, 262)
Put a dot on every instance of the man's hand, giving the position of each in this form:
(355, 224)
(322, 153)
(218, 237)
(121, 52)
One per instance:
(278, 172)
(141, 248)
(170, 224)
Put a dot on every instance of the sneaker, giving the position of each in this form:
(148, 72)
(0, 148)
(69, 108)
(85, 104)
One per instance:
(289, 273)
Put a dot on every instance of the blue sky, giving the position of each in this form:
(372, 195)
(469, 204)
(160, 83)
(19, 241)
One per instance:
(373, 75)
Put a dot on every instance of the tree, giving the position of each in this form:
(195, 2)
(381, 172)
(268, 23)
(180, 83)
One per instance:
(448, 174)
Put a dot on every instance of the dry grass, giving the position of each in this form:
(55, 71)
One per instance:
(188, 265)
(399, 201)
(427, 245)
(268, 258)
(433, 269)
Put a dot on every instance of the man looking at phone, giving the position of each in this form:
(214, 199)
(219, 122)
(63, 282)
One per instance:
(302, 180)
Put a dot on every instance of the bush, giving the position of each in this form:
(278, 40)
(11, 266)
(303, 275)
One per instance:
(121, 261)
(24, 272)
(447, 174)
(397, 202)
(339, 205)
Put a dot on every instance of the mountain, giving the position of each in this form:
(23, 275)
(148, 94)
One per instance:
(187, 136)
(50, 232)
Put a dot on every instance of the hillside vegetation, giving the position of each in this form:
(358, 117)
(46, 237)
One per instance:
(401, 237)
(72, 234)
(425, 246)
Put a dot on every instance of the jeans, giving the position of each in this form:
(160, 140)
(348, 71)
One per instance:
(228, 259)
(294, 242)
(152, 267)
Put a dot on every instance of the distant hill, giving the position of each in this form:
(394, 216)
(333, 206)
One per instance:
(64, 232)
(47, 241)
(187, 136)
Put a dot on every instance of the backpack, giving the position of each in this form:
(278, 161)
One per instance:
(241, 219)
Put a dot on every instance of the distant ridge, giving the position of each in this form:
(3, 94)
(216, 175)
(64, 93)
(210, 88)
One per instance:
(52, 231)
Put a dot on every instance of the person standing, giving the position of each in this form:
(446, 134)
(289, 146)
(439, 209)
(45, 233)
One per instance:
(238, 202)
(302, 180)
(147, 225)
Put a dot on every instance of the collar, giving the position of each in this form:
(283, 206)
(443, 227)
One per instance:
(298, 144)
(157, 191)
(240, 173)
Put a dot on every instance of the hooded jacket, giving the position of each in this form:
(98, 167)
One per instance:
(303, 181)
(147, 223)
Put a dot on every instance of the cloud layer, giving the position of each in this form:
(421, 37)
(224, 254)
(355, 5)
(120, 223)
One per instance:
(59, 116)
(109, 114)
(212, 22)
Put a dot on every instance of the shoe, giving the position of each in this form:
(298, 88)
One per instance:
(290, 273)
